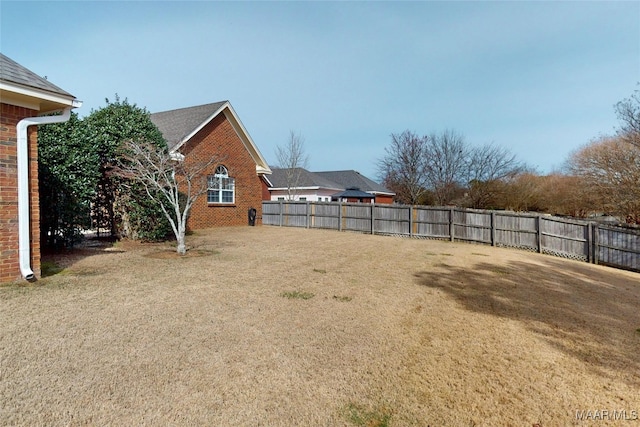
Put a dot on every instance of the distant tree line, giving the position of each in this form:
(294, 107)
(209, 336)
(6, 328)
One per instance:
(602, 177)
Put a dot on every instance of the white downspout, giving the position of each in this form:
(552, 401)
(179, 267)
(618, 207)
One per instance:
(23, 186)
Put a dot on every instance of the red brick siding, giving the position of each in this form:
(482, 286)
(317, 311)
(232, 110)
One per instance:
(219, 139)
(384, 199)
(266, 194)
(10, 115)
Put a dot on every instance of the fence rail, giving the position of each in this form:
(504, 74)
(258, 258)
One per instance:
(568, 238)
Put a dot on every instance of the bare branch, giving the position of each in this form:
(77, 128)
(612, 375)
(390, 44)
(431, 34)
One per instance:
(628, 111)
(174, 185)
(446, 165)
(292, 158)
(403, 169)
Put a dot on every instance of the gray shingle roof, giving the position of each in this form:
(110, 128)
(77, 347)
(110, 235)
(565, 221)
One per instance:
(177, 124)
(307, 179)
(353, 179)
(12, 72)
(339, 180)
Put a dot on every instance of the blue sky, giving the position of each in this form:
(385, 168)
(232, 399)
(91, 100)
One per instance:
(540, 78)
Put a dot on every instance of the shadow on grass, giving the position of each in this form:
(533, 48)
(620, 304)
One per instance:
(581, 310)
(57, 260)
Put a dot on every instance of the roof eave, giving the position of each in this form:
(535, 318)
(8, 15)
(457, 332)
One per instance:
(34, 98)
(261, 163)
(305, 188)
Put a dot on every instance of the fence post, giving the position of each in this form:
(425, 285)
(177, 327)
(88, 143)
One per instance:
(340, 216)
(493, 228)
(281, 212)
(411, 221)
(589, 247)
(452, 228)
(308, 212)
(596, 249)
(539, 232)
(373, 220)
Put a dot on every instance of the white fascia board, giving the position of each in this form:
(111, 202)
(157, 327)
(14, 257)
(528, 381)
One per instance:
(294, 188)
(260, 170)
(246, 138)
(37, 95)
(305, 188)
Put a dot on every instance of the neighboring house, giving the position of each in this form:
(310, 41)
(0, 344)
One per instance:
(353, 195)
(237, 180)
(23, 96)
(308, 186)
(351, 179)
(323, 186)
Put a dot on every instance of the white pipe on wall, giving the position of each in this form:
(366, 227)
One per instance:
(23, 187)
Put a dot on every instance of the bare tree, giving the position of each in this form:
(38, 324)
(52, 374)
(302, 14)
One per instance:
(168, 179)
(486, 166)
(441, 166)
(628, 111)
(446, 165)
(611, 170)
(403, 169)
(292, 158)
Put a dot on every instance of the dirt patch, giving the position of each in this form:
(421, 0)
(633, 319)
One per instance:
(398, 332)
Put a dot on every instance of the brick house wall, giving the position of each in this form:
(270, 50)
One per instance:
(266, 194)
(384, 199)
(218, 138)
(10, 115)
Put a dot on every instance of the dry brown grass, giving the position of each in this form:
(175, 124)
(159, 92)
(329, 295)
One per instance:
(398, 332)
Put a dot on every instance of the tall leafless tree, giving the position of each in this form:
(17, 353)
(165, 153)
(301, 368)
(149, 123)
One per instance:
(447, 159)
(403, 168)
(292, 158)
(487, 165)
(168, 179)
(628, 111)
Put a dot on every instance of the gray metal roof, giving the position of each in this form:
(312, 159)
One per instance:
(12, 72)
(353, 179)
(307, 179)
(175, 125)
(353, 193)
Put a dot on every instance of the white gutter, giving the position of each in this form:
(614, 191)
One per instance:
(23, 186)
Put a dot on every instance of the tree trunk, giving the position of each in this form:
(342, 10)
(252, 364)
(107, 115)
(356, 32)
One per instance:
(182, 248)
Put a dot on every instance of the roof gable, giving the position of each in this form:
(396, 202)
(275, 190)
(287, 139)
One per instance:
(179, 126)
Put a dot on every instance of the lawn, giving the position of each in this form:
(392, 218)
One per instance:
(268, 326)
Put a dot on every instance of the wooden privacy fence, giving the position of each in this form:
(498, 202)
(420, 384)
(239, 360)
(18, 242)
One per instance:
(568, 238)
